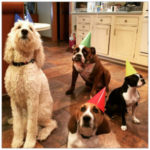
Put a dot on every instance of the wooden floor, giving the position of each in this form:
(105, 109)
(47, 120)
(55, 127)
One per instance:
(58, 69)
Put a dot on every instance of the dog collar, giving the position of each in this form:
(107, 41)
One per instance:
(85, 137)
(18, 64)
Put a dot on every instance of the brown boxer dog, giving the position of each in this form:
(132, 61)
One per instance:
(88, 65)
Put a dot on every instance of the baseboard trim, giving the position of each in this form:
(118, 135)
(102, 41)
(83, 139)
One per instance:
(47, 38)
(122, 62)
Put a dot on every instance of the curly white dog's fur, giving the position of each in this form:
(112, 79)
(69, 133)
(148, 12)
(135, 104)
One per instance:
(27, 86)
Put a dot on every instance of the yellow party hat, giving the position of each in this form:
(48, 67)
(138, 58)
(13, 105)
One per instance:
(129, 69)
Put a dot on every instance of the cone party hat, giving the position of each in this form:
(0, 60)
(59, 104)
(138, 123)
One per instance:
(129, 69)
(17, 18)
(87, 40)
(28, 17)
(99, 99)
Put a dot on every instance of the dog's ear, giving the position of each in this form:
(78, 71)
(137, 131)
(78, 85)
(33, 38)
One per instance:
(72, 125)
(9, 51)
(39, 56)
(93, 51)
(103, 128)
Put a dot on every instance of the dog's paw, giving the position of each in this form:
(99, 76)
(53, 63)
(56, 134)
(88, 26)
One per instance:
(54, 124)
(16, 143)
(69, 92)
(135, 120)
(45, 132)
(123, 127)
(29, 144)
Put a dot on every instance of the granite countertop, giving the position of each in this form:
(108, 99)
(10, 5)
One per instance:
(109, 13)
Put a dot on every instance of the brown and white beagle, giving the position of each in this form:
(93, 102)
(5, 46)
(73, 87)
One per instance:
(85, 125)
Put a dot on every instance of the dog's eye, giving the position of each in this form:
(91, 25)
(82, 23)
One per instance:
(18, 27)
(74, 51)
(141, 76)
(31, 29)
(84, 52)
(95, 110)
(77, 49)
(83, 108)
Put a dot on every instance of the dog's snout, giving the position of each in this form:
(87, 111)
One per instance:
(24, 31)
(77, 57)
(86, 118)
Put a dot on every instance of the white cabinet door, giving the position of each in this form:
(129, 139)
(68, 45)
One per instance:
(124, 40)
(100, 38)
(144, 36)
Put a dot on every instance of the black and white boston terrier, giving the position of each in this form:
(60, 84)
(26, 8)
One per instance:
(125, 96)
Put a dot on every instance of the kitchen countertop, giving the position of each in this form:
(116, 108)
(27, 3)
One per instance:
(109, 13)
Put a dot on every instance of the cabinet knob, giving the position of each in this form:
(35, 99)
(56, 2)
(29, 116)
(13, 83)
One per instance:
(125, 21)
(83, 26)
(83, 19)
(101, 20)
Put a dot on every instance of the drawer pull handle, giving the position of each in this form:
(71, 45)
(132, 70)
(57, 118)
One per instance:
(83, 19)
(125, 21)
(101, 20)
(83, 26)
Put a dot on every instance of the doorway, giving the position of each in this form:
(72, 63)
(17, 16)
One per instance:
(60, 21)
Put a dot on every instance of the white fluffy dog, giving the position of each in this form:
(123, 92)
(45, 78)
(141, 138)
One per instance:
(27, 86)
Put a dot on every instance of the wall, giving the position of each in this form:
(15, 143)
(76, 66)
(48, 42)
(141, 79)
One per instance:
(44, 12)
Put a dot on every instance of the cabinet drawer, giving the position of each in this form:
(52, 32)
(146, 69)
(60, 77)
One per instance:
(83, 34)
(80, 36)
(83, 19)
(83, 27)
(102, 20)
(133, 21)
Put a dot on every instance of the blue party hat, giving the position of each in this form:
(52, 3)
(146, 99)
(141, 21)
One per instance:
(17, 18)
(28, 17)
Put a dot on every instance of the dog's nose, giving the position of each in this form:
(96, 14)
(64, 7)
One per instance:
(77, 57)
(24, 31)
(86, 118)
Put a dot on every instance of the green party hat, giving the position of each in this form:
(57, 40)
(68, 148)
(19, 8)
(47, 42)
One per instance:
(87, 40)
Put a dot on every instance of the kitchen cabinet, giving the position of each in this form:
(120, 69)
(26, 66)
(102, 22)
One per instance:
(116, 37)
(83, 27)
(124, 41)
(100, 38)
(144, 36)
(141, 54)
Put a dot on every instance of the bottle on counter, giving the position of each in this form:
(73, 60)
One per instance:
(102, 6)
(98, 8)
